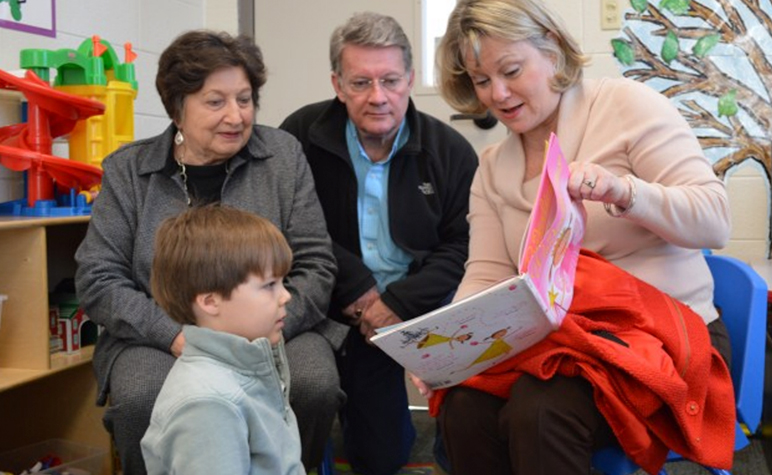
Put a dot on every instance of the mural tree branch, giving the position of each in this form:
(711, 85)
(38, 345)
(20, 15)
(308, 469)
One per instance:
(712, 58)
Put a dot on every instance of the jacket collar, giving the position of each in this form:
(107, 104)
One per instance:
(158, 155)
(238, 352)
(329, 129)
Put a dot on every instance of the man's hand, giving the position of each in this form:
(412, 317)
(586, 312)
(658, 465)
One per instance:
(358, 308)
(377, 315)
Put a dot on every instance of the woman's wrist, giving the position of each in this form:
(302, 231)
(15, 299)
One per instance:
(617, 211)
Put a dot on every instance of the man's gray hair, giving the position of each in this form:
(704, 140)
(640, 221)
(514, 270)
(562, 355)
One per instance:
(369, 29)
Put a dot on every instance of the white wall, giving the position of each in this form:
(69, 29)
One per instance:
(296, 51)
(294, 36)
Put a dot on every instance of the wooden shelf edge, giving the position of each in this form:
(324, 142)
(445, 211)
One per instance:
(12, 222)
(61, 361)
(14, 377)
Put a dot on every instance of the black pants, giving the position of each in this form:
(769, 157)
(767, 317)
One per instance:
(544, 428)
(378, 431)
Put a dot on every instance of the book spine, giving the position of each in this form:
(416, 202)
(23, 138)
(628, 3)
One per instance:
(545, 306)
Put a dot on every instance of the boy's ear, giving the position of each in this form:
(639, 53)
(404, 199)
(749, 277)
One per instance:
(209, 303)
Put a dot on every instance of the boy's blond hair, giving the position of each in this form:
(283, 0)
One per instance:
(212, 249)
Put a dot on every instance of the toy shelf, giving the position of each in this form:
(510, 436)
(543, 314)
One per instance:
(13, 377)
(60, 405)
(42, 396)
(35, 254)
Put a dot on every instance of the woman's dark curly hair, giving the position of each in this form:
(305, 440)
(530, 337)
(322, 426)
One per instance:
(184, 66)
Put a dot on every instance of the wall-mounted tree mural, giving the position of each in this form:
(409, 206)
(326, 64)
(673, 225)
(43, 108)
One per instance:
(713, 59)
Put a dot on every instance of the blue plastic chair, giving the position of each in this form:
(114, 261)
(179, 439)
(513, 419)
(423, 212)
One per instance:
(741, 295)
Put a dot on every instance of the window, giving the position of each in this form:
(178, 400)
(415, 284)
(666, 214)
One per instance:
(434, 19)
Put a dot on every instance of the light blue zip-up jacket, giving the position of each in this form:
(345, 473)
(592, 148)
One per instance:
(224, 408)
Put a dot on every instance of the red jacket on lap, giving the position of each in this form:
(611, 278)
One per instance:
(658, 381)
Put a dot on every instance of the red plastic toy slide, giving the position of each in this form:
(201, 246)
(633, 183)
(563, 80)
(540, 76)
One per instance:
(27, 146)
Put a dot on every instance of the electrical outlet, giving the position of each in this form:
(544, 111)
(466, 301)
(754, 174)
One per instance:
(610, 16)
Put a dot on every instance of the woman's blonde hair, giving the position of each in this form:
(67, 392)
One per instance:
(513, 20)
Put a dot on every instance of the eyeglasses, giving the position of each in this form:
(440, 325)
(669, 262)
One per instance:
(390, 83)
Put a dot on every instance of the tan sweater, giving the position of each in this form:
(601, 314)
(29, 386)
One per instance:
(628, 128)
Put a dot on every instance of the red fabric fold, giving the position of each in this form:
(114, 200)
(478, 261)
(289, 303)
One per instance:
(669, 389)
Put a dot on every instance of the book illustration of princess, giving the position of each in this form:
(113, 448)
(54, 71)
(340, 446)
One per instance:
(432, 338)
(559, 251)
(424, 337)
(558, 279)
(496, 348)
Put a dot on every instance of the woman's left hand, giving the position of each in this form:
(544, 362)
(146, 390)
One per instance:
(588, 181)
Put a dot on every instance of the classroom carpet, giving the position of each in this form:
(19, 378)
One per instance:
(343, 468)
(421, 457)
(748, 461)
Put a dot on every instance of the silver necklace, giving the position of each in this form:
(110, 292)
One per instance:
(184, 176)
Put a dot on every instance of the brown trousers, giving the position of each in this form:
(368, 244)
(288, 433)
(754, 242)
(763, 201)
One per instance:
(544, 428)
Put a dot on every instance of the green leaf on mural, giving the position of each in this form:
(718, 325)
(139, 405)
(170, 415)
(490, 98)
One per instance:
(677, 7)
(15, 9)
(623, 51)
(670, 47)
(727, 104)
(705, 44)
(639, 5)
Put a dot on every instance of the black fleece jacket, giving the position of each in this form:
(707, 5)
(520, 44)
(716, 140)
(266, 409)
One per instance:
(428, 189)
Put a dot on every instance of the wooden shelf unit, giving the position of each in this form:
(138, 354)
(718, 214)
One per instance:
(42, 396)
(35, 254)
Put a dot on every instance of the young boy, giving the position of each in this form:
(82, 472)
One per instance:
(224, 406)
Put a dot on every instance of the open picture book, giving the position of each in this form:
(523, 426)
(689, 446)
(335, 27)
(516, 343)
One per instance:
(464, 338)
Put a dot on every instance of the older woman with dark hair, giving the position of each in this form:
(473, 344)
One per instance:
(212, 152)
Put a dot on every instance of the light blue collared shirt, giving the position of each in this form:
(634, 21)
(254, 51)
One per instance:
(380, 254)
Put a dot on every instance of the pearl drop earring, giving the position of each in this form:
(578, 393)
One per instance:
(179, 138)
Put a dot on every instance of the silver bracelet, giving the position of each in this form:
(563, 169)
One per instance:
(614, 210)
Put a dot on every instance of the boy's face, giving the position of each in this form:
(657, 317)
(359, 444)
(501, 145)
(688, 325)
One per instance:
(256, 309)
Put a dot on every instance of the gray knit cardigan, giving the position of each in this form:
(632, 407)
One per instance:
(142, 186)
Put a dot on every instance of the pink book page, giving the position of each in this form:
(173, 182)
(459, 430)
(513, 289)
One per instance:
(554, 235)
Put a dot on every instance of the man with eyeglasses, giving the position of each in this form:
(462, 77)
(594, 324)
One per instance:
(394, 185)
